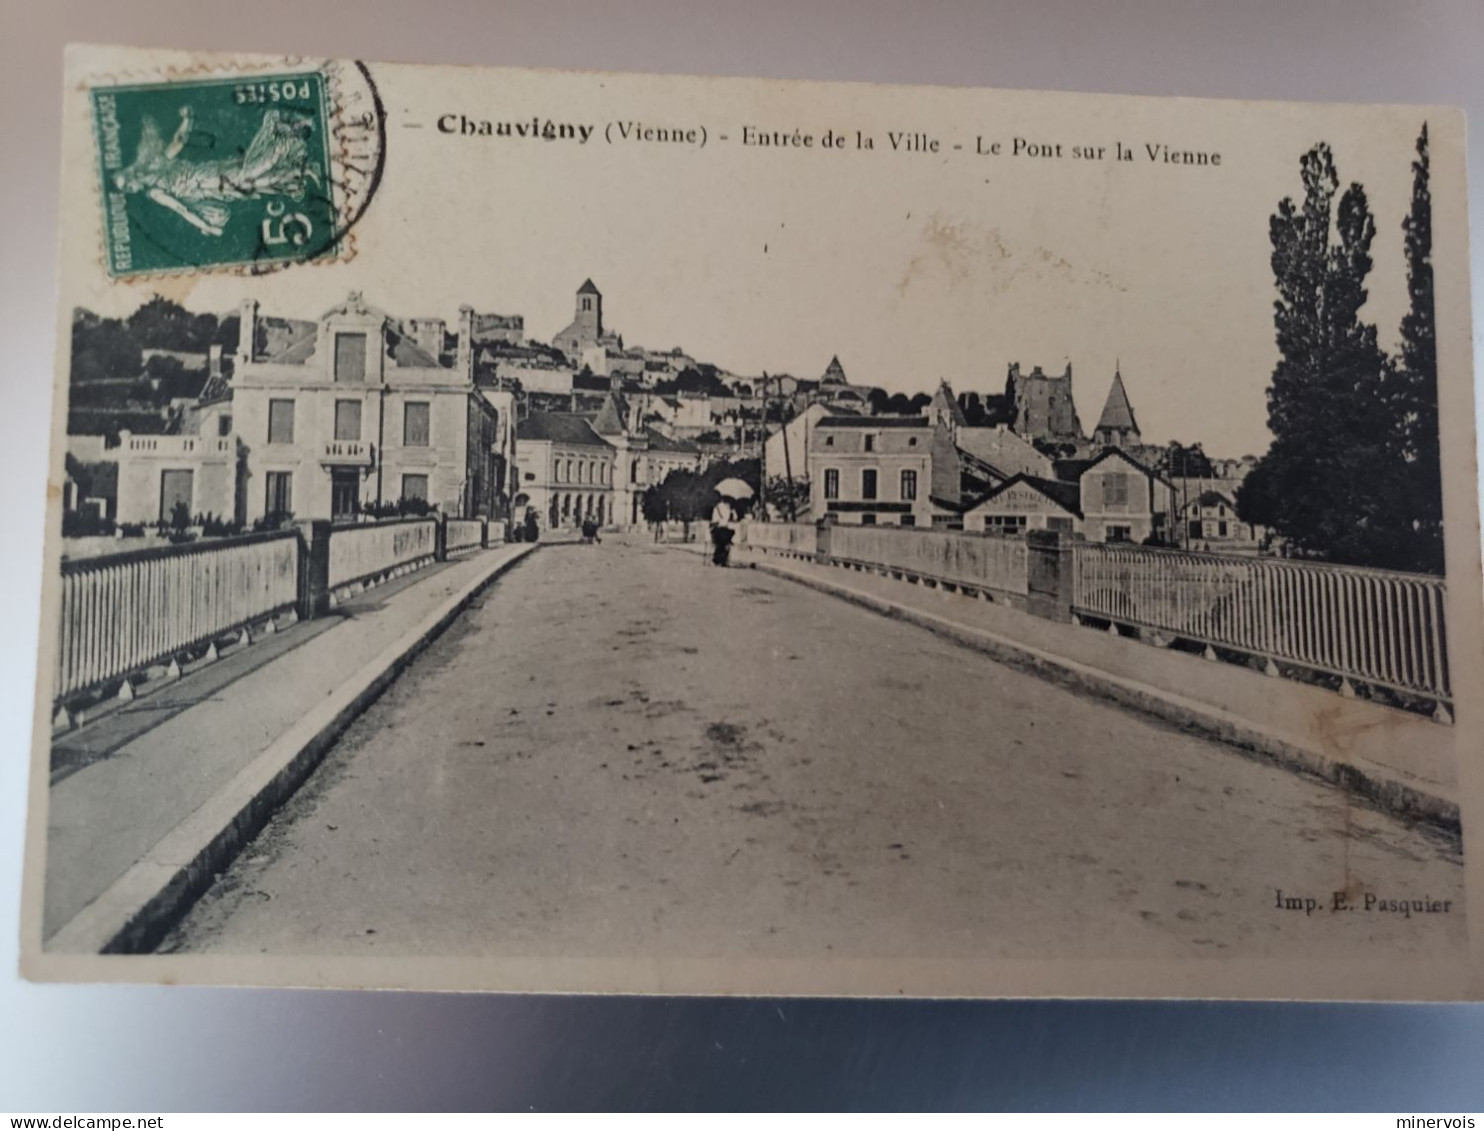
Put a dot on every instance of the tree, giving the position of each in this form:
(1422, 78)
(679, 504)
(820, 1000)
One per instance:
(1414, 378)
(1328, 484)
(171, 379)
(162, 324)
(1187, 462)
(701, 381)
(788, 497)
(103, 349)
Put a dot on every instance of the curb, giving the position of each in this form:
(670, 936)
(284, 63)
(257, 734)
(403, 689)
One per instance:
(1374, 783)
(140, 907)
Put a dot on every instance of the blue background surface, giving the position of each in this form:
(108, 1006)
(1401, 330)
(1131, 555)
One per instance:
(149, 1049)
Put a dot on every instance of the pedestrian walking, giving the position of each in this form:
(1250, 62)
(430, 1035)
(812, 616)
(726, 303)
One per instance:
(723, 523)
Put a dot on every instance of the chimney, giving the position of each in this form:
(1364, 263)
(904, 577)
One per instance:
(214, 360)
(465, 361)
(247, 330)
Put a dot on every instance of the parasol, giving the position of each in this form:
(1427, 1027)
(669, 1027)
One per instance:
(734, 489)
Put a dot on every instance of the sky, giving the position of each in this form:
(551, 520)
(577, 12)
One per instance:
(912, 267)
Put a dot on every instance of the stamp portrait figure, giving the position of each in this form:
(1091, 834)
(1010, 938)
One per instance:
(276, 163)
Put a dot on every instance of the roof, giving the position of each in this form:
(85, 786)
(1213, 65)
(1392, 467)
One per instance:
(591, 382)
(1068, 496)
(1214, 498)
(409, 355)
(834, 373)
(588, 288)
(1109, 452)
(969, 461)
(300, 347)
(216, 388)
(659, 442)
(611, 417)
(957, 506)
(1070, 470)
(873, 422)
(1118, 414)
(944, 400)
(560, 427)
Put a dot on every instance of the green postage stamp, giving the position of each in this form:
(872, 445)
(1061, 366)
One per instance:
(215, 172)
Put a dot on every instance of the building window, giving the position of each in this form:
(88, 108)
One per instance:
(1221, 530)
(1118, 533)
(909, 485)
(831, 483)
(415, 487)
(909, 520)
(587, 304)
(868, 520)
(912, 441)
(224, 424)
(870, 442)
(350, 358)
(1004, 523)
(347, 420)
(829, 441)
(280, 498)
(415, 424)
(868, 483)
(1115, 490)
(280, 422)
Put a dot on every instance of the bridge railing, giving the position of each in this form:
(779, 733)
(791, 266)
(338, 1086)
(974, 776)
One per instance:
(122, 613)
(1364, 625)
(789, 537)
(463, 533)
(972, 561)
(361, 551)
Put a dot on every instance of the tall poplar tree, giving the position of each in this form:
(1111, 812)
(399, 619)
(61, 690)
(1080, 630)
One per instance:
(1326, 482)
(1415, 379)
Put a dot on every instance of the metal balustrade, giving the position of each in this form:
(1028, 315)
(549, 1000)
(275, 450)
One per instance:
(371, 549)
(1370, 626)
(122, 613)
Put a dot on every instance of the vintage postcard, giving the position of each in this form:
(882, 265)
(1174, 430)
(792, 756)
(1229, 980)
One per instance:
(540, 531)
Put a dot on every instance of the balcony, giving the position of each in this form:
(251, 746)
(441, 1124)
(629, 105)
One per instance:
(177, 447)
(346, 453)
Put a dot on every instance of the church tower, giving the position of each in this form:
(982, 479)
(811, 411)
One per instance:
(587, 323)
(588, 319)
(1117, 427)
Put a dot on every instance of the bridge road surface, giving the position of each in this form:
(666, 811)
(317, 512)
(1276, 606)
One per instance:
(619, 750)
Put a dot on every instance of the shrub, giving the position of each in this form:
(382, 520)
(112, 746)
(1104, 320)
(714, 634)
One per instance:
(85, 524)
(213, 527)
(273, 520)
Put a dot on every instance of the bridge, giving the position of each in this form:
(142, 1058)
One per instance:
(853, 744)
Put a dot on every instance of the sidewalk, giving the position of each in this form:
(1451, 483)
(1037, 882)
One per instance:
(1404, 762)
(124, 786)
